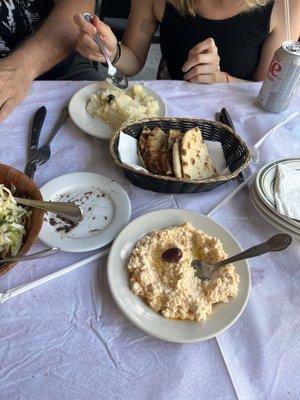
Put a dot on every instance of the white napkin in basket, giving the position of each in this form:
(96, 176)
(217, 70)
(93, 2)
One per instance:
(287, 191)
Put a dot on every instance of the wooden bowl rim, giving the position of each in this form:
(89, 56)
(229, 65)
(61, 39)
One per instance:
(37, 214)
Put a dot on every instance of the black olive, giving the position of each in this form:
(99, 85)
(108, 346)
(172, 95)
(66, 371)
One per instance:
(110, 98)
(173, 254)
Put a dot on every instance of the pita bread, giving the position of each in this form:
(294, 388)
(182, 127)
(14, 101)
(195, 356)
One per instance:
(195, 160)
(151, 144)
(142, 144)
(167, 168)
(176, 158)
(143, 138)
(166, 155)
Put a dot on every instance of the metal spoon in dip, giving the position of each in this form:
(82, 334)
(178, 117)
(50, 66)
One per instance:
(275, 243)
(114, 76)
(68, 210)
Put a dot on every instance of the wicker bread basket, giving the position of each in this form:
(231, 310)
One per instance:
(236, 153)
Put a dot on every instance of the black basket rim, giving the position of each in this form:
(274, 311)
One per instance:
(197, 121)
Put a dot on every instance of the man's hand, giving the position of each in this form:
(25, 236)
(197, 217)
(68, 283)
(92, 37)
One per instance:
(203, 64)
(15, 81)
(46, 47)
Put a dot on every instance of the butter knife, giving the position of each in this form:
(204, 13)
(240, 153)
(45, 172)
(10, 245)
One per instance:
(34, 136)
(225, 118)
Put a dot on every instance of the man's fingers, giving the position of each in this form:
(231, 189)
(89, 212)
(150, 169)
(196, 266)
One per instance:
(7, 108)
(207, 58)
(207, 45)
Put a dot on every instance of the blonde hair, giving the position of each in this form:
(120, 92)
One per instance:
(189, 7)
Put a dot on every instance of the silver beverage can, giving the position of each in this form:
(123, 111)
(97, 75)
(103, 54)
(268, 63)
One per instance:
(282, 80)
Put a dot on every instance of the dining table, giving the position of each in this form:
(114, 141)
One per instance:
(67, 339)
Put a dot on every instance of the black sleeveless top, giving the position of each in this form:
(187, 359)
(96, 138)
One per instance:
(18, 20)
(239, 39)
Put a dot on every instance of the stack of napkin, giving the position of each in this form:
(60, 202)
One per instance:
(287, 191)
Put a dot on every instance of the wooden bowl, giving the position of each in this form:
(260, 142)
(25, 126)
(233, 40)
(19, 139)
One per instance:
(10, 176)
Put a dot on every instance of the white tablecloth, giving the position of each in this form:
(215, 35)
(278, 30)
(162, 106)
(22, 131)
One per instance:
(68, 340)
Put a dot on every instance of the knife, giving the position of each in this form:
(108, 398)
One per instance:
(224, 118)
(34, 137)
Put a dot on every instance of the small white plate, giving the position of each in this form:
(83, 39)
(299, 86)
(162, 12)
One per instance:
(96, 127)
(139, 313)
(271, 217)
(265, 186)
(105, 205)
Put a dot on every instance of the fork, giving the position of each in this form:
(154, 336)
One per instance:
(275, 243)
(114, 76)
(43, 154)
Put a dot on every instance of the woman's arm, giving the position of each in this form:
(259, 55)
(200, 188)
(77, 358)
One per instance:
(136, 41)
(138, 35)
(278, 34)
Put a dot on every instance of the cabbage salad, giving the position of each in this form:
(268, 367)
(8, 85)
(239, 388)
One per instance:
(13, 220)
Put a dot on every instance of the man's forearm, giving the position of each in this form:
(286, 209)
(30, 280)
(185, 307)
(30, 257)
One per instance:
(54, 40)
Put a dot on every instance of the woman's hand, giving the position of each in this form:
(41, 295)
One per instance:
(203, 64)
(86, 45)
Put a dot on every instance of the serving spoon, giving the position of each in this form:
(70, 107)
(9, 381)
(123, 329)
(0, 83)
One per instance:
(275, 243)
(33, 256)
(113, 76)
(68, 210)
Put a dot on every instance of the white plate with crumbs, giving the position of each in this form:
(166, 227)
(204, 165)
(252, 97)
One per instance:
(105, 205)
(97, 127)
(139, 313)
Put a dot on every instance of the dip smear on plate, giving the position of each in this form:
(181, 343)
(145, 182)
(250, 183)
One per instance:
(116, 106)
(172, 287)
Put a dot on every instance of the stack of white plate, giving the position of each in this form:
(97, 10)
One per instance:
(262, 196)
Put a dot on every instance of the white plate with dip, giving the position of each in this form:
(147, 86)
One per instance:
(145, 318)
(96, 127)
(105, 205)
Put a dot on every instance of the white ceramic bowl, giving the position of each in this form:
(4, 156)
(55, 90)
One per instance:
(96, 127)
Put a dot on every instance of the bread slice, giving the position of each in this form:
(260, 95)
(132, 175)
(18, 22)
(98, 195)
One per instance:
(167, 168)
(195, 160)
(143, 138)
(176, 157)
(142, 144)
(150, 147)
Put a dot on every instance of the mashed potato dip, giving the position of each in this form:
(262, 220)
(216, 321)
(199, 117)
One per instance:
(172, 288)
(115, 106)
